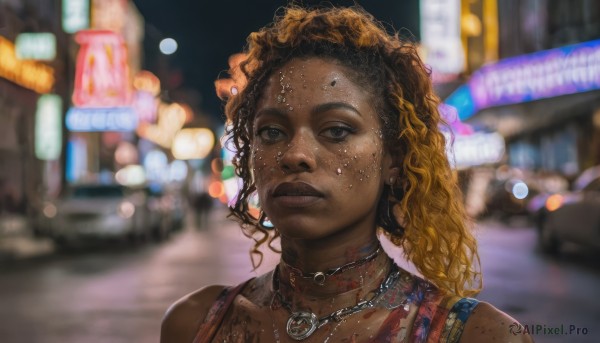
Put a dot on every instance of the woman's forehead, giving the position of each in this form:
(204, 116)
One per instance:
(311, 69)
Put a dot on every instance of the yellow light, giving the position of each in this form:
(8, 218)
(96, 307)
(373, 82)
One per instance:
(554, 202)
(192, 144)
(32, 75)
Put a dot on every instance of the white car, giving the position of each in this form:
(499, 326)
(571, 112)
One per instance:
(97, 211)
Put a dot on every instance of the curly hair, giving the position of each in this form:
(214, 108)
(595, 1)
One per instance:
(426, 202)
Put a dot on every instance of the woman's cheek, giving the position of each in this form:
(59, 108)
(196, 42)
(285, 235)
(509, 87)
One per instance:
(358, 166)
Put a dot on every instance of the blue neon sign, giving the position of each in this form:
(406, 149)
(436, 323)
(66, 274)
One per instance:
(82, 119)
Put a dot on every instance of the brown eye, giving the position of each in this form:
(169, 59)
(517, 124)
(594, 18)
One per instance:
(270, 134)
(337, 133)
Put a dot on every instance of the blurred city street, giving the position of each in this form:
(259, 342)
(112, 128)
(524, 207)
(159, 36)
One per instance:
(111, 132)
(120, 294)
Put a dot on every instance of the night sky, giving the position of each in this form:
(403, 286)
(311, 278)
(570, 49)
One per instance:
(208, 32)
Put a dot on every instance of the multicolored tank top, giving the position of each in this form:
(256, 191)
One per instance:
(439, 317)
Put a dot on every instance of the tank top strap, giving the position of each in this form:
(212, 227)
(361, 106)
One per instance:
(456, 319)
(443, 320)
(215, 315)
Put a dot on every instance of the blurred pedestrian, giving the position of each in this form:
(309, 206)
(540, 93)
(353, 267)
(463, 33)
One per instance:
(336, 128)
(203, 204)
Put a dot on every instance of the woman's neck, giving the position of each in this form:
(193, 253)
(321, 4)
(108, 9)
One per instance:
(325, 273)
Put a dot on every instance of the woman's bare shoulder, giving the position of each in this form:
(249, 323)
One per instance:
(488, 324)
(182, 319)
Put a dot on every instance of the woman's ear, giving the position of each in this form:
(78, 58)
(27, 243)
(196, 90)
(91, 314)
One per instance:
(390, 170)
(392, 175)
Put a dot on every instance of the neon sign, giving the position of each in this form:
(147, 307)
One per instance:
(102, 73)
(567, 70)
(48, 127)
(475, 149)
(75, 15)
(29, 74)
(441, 36)
(36, 46)
(101, 119)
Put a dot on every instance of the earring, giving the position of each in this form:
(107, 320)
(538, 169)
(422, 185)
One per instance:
(264, 221)
(385, 217)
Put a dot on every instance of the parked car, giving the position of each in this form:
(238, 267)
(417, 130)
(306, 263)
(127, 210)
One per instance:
(98, 211)
(160, 211)
(572, 216)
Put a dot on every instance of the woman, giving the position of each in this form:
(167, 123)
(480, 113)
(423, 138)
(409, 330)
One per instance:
(336, 129)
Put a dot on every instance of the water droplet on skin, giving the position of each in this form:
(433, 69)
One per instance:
(283, 100)
(259, 157)
(279, 153)
(360, 179)
(350, 186)
(291, 108)
(345, 150)
(339, 171)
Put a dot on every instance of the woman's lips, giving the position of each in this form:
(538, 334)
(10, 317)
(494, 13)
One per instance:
(296, 194)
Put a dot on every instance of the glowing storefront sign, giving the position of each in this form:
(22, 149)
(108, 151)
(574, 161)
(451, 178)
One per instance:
(29, 74)
(75, 15)
(475, 149)
(36, 46)
(545, 74)
(567, 70)
(102, 73)
(48, 127)
(101, 119)
(441, 36)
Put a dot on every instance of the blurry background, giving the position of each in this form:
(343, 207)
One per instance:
(114, 185)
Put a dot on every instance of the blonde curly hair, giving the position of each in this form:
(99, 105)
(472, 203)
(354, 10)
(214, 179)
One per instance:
(433, 228)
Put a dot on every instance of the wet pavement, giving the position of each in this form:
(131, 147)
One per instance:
(119, 294)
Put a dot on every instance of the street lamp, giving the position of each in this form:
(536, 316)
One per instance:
(168, 46)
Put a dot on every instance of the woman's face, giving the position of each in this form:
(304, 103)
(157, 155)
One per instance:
(317, 151)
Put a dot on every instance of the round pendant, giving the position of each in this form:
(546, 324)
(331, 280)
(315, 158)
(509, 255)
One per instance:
(300, 325)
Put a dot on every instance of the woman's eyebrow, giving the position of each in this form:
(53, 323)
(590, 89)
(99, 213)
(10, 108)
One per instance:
(333, 106)
(271, 111)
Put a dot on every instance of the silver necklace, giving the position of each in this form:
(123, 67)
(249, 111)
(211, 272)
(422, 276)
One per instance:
(320, 277)
(303, 323)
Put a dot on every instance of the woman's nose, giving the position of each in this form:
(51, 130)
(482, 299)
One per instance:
(299, 155)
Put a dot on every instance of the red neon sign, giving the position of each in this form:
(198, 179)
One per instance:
(102, 73)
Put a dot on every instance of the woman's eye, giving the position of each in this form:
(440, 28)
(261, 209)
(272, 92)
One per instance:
(270, 134)
(337, 132)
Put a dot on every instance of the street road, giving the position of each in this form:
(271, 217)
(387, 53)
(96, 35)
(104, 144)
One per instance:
(120, 294)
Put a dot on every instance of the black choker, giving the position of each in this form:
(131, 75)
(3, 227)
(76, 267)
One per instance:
(301, 324)
(320, 277)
